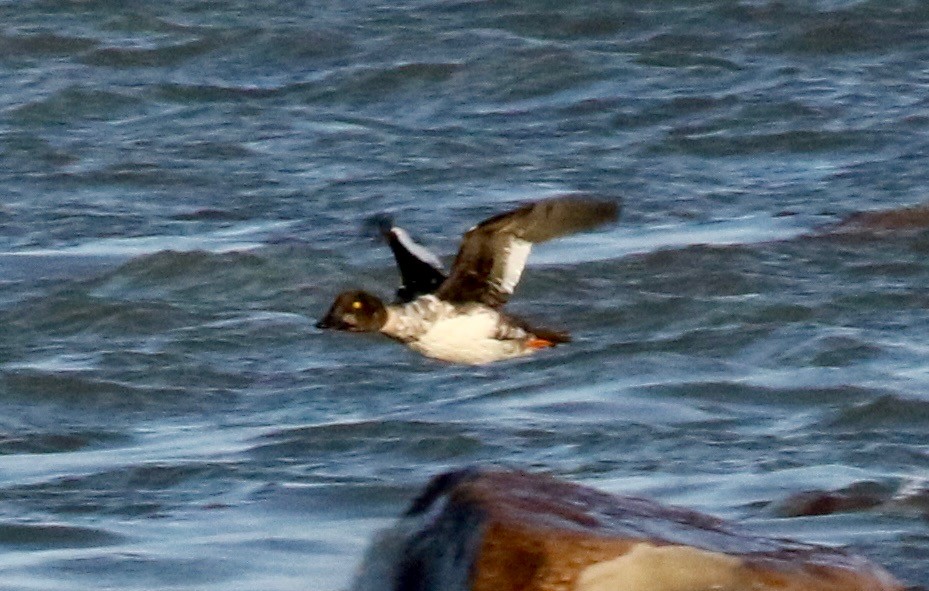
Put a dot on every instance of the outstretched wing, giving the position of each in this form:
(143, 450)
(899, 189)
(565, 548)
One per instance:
(420, 270)
(493, 254)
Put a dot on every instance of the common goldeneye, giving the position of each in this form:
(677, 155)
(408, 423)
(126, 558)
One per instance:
(458, 318)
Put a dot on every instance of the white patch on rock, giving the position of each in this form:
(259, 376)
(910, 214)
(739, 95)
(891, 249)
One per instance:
(667, 568)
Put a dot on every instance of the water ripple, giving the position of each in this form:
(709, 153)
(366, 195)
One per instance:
(45, 536)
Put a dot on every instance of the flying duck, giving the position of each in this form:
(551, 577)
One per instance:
(458, 317)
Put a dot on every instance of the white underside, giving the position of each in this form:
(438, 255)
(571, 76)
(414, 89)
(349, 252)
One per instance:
(468, 338)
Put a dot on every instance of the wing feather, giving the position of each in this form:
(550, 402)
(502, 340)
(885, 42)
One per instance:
(493, 254)
(420, 270)
(511, 264)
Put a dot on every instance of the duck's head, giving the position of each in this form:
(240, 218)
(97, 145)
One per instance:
(355, 311)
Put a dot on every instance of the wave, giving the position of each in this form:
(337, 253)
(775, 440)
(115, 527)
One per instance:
(44, 44)
(76, 103)
(423, 439)
(887, 411)
(56, 441)
(137, 490)
(53, 536)
(156, 57)
(800, 141)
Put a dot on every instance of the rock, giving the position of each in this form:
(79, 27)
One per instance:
(861, 496)
(904, 218)
(908, 498)
(495, 530)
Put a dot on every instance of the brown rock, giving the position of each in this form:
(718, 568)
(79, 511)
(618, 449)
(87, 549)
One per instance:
(822, 502)
(479, 530)
(904, 218)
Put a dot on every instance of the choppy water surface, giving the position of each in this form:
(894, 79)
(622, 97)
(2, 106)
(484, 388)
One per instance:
(182, 186)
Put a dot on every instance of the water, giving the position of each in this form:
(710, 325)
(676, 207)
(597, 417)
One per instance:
(182, 190)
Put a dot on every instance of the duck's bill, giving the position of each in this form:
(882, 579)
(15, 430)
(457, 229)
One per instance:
(330, 323)
(333, 322)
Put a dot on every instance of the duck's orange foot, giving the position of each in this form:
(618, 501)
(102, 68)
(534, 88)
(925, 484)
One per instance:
(539, 343)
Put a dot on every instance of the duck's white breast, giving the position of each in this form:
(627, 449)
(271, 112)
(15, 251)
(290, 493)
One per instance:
(468, 338)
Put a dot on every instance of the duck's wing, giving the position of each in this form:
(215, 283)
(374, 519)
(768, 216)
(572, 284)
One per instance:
(493, 253)
(420, 270)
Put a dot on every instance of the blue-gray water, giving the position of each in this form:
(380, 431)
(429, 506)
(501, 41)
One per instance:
(182, 186)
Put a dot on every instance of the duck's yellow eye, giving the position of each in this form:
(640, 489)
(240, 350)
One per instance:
(356, 305)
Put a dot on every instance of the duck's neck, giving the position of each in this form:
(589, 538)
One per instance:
(407, 322)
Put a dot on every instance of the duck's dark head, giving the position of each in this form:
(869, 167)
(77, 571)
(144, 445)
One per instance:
(355, 311)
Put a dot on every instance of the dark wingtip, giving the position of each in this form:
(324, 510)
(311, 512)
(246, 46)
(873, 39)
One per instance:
(606, 207)
(378, 225)
(562, 215)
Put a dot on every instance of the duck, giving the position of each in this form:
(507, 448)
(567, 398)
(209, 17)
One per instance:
(458, 317)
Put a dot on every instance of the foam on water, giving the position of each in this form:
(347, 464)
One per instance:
(623, 241)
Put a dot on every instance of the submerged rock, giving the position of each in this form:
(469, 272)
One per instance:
(906, 498)
(495, 530)
(858, 497)
(904, 218)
